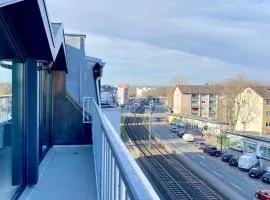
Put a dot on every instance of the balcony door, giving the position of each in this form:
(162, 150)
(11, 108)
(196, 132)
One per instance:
(45, 113)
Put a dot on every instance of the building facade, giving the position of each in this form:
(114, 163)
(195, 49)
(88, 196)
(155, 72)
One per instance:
(108, 94)
(141, 92)
(122, 93)
(252, 108)
(196, 100)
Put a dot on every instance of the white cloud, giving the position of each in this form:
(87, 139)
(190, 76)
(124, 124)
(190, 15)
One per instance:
(137, 62)
(219, 38)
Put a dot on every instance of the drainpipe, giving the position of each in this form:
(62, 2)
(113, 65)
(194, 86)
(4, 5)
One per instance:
(98, 93)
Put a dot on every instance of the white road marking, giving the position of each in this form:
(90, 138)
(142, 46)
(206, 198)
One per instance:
(203, 164)
(183, 155)
(218, 174)
(192, 156)
(201, 156)
(236, 186)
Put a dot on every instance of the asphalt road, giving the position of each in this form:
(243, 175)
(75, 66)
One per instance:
(218, 173)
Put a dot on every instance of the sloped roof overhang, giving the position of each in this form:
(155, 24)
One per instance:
(26, 32)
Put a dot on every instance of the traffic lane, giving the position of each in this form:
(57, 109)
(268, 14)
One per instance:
(236, 180)
(162, 132)
(159, 109)
(204, 166)
(166, 128)
(232, 176)
(214, 179)
(215, 163)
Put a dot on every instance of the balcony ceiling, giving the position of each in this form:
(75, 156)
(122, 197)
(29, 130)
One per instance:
(26, 32)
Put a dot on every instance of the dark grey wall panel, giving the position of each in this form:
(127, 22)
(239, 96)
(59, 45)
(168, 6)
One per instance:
(67, 119)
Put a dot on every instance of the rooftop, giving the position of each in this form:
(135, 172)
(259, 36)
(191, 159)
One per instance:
(199, 89)
(263, 91)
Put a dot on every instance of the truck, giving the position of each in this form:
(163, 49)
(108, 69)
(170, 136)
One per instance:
(247, 161)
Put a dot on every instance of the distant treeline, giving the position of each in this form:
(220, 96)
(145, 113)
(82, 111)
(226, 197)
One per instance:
(5, 89)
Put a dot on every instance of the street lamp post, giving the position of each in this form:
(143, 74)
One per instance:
(149, 128)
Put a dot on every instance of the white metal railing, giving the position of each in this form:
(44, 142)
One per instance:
(5, 108)
(117, 174)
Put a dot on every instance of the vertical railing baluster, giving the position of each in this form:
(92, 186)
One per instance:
(102, 167)
(106, 168)
(116, 181)
(113, 178)
(109, 174)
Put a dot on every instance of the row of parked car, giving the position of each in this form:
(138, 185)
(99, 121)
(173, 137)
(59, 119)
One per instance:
(247, 162)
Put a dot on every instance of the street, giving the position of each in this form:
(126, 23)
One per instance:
(218, 173)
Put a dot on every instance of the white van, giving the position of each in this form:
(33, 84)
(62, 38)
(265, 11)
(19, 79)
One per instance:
(188, 137)
(247, 161)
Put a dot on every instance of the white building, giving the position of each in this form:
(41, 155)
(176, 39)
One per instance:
(108, 94)
(122, 93)
(141, 92)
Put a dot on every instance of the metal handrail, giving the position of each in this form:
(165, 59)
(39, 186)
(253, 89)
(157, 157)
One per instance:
(118, 175)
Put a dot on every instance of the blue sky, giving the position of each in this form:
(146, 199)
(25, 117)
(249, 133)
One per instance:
(5, 75)
(149, 42)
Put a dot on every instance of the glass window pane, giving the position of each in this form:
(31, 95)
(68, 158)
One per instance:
(8, 186)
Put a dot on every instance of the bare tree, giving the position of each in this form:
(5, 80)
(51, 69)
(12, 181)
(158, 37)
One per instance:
(246, 107)
(229, 97)
(178, 80)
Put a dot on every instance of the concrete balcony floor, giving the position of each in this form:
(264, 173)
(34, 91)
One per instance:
(67, 172)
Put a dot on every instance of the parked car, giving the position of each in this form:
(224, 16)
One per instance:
(188, 137)
(266, 177)
(199, 144)
(256, 172)
(247, 161)
(214, 152)
(174, 129)
(263, 195)
(226, 157)
(205, 147)
(209, 148)
(180, 134)
(233, 162)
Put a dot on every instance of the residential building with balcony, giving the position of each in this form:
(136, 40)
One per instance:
(252, 108)
(196, 100)
(55, 140)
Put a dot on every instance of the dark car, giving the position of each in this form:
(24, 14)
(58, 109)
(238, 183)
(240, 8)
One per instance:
(233, 162)
(226, 157)
(214, 152)
(266, 177)
(180, 134)
(209, 148)
(256, 172)
(174, 129)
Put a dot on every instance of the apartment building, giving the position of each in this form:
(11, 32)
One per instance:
(122, 93)
(253, 110)
(196, 100)
(141, 92)
(108, 94)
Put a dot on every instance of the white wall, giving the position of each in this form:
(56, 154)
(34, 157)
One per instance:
(114, 115)
(177, 101)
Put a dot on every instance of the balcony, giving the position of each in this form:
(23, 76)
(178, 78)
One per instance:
(67, 172)
(103, 170)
